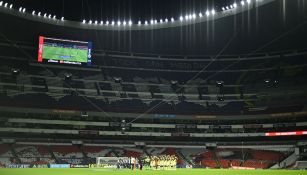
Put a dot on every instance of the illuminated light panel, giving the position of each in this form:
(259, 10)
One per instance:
(291, 133)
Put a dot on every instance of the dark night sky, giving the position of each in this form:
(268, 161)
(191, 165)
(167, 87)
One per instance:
(119, 9)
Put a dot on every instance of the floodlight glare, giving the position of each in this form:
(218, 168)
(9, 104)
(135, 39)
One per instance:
(112, 23)
(151, 21)
(49, 16)
(200, 15)
(139, 22)
(235, 5)
(20, 9)
(242, 3)
(107, 22)
(223, 8)
(96, 22)
(62, 19)
(54, 16)
(124, 23)
(227, 7)
(118, 23)
(207, 13)
(166, 20)
(213, 12)
(130, 22)
(146, 23)
(39, 13)
(11, 6)
(90, 22)
(1, 2)
(161, 21)
(172, 19)
(101, 22)
(5, 5)
(33, 12)
(180, 18)
(194, 16)
(24, 10)
(231, 6)
(186, 17)
(248, 1)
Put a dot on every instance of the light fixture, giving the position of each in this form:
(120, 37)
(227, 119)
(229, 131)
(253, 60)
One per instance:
(62, 19)
(139, 22)
(194, 16)
(1, 2)
(20, 9)
(129, 22)
(124, 23)
(231, 6)
(235, 5)
(242, 3)
(248, 1)
(96, 22)
(181, 18)
(5, 5)
(161, 21)
(151, 21)
(166, 20)
(49, 16)
(118, 23)
(213, 12)
(107, 22)
(207, 13)
(45, 15)
(54, 16)
(90, 22)
(33, 12)
(200, 15)
(186, 17)
(23, 10)
(156, 21)
(227, 7)
(39, 13)
(223, 8)
(101, 22)
(146, 23)
(84, 21)
(172, 19)
(11, 6)
(112, 23)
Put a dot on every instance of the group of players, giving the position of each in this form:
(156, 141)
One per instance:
(161, 162)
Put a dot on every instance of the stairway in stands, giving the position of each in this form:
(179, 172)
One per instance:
(187, 161)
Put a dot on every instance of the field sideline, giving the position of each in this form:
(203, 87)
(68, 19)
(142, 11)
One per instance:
(37, 171)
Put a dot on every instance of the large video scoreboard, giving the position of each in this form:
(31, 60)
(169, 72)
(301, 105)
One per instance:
(63, 51)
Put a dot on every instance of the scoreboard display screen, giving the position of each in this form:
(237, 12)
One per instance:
(52, 50)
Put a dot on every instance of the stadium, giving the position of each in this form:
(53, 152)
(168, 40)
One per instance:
(155, 87)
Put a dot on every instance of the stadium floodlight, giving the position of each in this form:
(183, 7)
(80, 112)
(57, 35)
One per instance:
(96, 22)
(200, 15)
(213, 12)
(161, 21)
(1, 2)
(62, 19)
(23, 10)
(248, 1)
(151, 21)
(156, 21)
(101, 22)
(181, 18)
(45, 15)
(139, 22)
(172, 19)
(146, 23)
(84, 21)
(194, 16)
(235, 5)
(38, 14)
(227, 7)
(124, 23)
(231, 6)
(5, 5)
(186, 17)
(223, 8)
(118, 23)
(242, 3)
(54, 16)
(207, 13)
(190, 16)
(129, 22)
(107, 23)
(90, 22)
(33, 12)
(112, 23)
(166, 20)
(20, 9)
(11, 6)
(49, 16)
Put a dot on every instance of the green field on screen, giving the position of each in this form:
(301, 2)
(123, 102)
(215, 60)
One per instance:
(55, 53)
(81, 171)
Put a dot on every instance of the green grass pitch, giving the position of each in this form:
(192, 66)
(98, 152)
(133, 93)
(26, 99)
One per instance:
(54, 53)
(80, 171)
